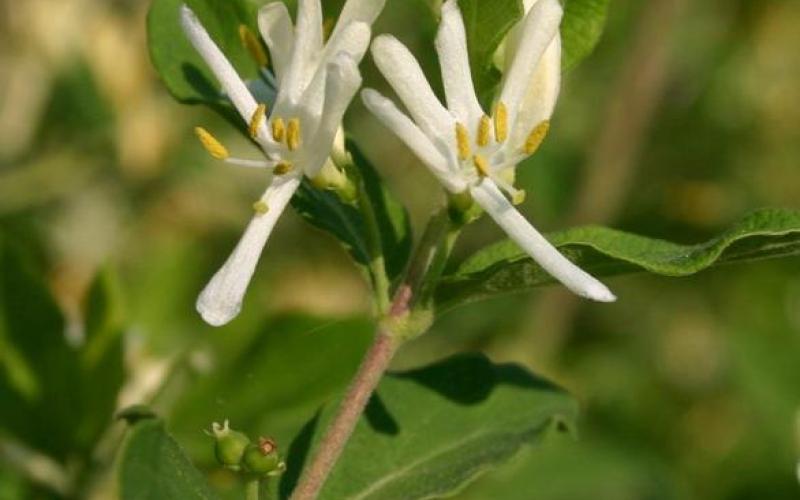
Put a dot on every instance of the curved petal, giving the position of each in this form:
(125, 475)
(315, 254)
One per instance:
(341, 86)
(539, 28)
(416, 140)
(307, 46)
(488, 196)
(276, 29)
(540, 98)
(451, 45)
(221, 300)
(365, 11)
(404, 74)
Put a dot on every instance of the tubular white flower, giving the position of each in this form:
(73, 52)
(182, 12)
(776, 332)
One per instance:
(317, 82)
(470, 150)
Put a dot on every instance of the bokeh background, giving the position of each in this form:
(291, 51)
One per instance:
(686, 117)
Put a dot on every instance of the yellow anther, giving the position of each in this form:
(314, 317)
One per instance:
(500, 122)
(260, 207)
(484, 131)
(518, 197)
(283, 168)
(211, 144)
(293, 134)
(253, 46)
(481, 165)
(257, 120)
(462, 139)
(278, 129)
(536, 137)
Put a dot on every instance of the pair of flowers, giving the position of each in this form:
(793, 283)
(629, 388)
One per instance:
(467, 149)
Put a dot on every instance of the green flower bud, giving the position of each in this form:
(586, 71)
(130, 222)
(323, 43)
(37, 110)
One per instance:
(262, 459)
(462, 209)
(333, 178)
(230, 445)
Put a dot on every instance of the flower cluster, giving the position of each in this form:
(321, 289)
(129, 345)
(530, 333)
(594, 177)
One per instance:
(468, 149)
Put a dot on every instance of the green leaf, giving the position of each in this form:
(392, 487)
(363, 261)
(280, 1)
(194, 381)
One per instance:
(504, 268)
(152, 466)
(183, 71)
(428, 432)
(271, 382)
(324, 210)
(487, 24)
(581, 28)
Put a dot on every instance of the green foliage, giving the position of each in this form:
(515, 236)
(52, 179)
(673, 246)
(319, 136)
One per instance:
(428, 432)
(504, 268)
(152, 466)
(183, 71)
(58, 396)
(324, 210)
(581, 29)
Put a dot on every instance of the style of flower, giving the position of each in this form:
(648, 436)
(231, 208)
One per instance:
(464, 147)
(316, 82)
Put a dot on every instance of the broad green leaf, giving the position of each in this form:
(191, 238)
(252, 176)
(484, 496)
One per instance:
(326, 211)
(152, 466)
(428, 432)
(583, 24)
(487, 23)
(504, 268)
(272, 382)
(183, 71)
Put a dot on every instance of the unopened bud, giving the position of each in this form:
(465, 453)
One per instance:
(230, 445)
(262, 458)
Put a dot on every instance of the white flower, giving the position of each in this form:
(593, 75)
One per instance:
(316, 83)
(465, 148)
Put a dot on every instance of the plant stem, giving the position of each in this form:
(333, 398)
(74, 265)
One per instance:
(369, 374)
(251, 489)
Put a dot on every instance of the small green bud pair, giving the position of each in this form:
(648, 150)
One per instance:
(235, 451)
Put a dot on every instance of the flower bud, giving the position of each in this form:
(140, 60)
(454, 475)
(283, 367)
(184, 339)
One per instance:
(332, 178)
(462, 209)
(262, 459)
(230, 445)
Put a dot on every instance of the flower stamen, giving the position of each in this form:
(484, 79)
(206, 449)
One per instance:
(260, 207)
(484, 131)
(253, 46)
(211, 144)
(481, 165)
(293, 135)
(283, 168)
(278, 129)
(258, 118)
(500, 122)
(462, 139)
(536, 137)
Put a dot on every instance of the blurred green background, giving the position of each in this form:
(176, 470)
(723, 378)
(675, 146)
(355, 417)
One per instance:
(685, 117)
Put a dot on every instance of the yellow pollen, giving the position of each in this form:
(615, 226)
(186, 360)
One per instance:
(293, 134)
(462, 138)
(283, 168)
(518, 197)
(257, 120)
(211, 144)
(278, 129)
(501, 122)
(536, 137)
(484, 131)
(481, 165)
(260, 207)
(253, 46)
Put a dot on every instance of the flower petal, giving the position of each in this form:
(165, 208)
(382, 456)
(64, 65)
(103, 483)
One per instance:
(276, 29)
(451, 45)
(230, 81)
(416, 140)
(539, 28)
(365, 11)
(221, 300)
(341, 85)
(307, 47)
(488, 196)
(540, 98)
(404, 74)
